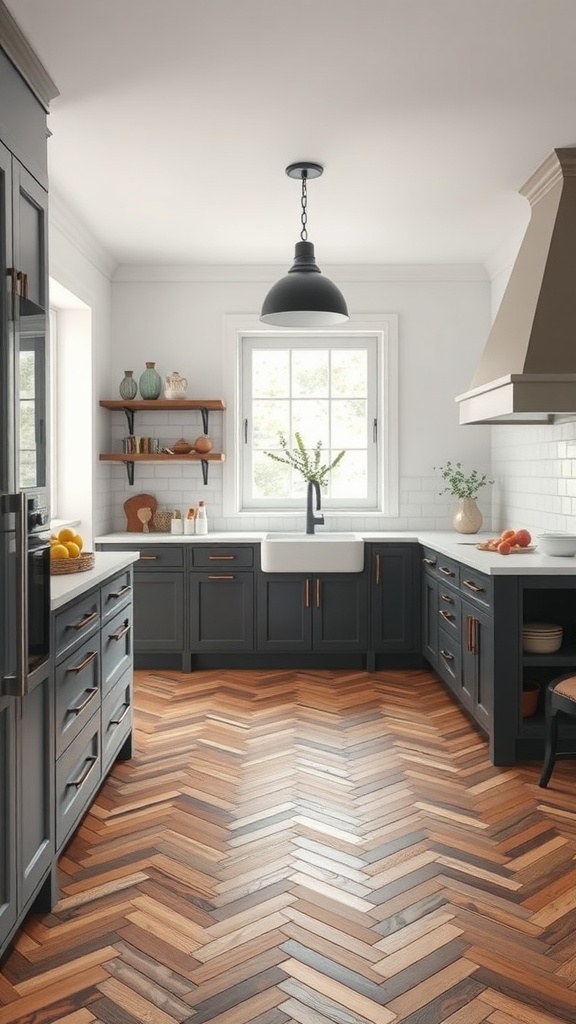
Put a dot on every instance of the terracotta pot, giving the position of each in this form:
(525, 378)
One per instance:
(181, 447)
(530, 695)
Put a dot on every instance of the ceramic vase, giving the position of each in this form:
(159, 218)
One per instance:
(150, 382)
(467, 517)
(128, 386)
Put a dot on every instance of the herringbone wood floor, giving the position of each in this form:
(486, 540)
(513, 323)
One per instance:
(312, 847)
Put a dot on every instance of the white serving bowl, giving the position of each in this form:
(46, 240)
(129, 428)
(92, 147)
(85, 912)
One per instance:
(559, 544)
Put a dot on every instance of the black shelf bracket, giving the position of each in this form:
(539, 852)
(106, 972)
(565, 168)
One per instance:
(130, 473)
(129, 413)
(204, 465)
(204, 413)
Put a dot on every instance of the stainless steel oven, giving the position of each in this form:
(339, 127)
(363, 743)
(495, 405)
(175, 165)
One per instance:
(25, 617)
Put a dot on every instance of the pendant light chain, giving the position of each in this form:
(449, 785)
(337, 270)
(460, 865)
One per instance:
(304, 204)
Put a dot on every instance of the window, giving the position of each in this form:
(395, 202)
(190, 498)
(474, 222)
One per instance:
(334, 387)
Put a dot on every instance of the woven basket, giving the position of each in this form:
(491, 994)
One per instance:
(64, 566)
(161, 520)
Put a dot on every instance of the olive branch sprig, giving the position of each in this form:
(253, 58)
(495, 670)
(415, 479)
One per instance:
(300, 459)
(460, 484)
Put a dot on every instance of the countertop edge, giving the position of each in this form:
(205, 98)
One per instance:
(67, 588)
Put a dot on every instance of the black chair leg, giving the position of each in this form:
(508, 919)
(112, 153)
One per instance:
(551, 743)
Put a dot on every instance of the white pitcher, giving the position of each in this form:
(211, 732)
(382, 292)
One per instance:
(175, 386)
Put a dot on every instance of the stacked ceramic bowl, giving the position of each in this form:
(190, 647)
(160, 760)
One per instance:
(541, 637)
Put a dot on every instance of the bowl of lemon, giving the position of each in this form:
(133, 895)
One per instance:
(66, 554)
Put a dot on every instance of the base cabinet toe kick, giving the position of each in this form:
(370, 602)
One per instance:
(58, 744)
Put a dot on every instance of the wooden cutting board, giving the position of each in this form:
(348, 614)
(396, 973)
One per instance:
(131, 507)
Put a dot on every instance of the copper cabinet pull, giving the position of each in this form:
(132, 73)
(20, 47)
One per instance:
(446, 615)
(447, 656)
(23, 278)
(85, 702)
(76, 783)
(119, 593)
(78, 668)
(221, 558)
(474, 635)
(317, 592)
(473, 586)
(121, 632)
(377, 568)
(12, 274)
(307, 593)
(148, 558)
(429, 561)
(447, 572)
(83, 621)
(116, 721)
(446, 597)
(221, 577)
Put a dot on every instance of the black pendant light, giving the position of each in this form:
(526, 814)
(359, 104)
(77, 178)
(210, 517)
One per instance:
(304, 298)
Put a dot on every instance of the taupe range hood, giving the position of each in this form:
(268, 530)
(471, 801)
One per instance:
(527, 372)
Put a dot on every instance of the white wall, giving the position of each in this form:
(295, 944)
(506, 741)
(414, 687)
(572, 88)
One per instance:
(175, 317)
(78, 264)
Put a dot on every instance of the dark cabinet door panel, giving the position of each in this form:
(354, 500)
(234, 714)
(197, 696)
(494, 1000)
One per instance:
(158, 611)
(284, 618)
(396, 615)
(36, 789)
(221, 611)
(8, 903)
(339, 612)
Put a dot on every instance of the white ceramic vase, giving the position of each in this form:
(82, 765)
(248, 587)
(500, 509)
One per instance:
(467, 517)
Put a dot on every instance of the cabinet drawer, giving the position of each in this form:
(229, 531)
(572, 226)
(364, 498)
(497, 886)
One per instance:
(78, 773)
(115, 594)
(160, 556)
(449, 660)
(116, 717)
(116, 648)
(219, 557)
(77, 691)
(476, 586)
(449, 610)
(440, 567)
(77, 621)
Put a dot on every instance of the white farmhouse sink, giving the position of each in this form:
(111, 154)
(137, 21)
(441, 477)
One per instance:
(312, 552)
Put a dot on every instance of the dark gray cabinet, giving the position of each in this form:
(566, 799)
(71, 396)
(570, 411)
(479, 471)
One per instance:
(477, 679)
(326, 613)
(8, 894)
(221, 611)
(35, 789)
(395, 598)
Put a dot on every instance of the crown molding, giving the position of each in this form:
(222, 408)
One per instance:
(25, 59)
(64, 220)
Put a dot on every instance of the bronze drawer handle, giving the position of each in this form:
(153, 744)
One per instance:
(429, 561)
(116, 721)
(85, 702)
(318, 592)
(377, 569)
(221, 558)
(473, 586)
(83, 621)
(447, 615)
(447, 656)
(78, 668)
(148, 558)
(447, 572)
(222, 576)
(121, 632)
(76, 783)
(307, 593)
(119, 593)
(446, 597)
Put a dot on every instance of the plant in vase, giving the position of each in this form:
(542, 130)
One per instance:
(309, 465)
(465, 487)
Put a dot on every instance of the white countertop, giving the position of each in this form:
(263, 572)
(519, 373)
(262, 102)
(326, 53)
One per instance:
(69, 586)
(461, 547)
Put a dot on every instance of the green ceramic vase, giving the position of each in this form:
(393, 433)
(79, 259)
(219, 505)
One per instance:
(150, 382)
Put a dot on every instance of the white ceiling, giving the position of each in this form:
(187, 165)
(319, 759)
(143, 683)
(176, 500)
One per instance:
(176, 119)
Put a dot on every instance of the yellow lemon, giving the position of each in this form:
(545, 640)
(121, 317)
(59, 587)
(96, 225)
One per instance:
(59, 551)
(66, 534)
(73, 549)
(77, 539)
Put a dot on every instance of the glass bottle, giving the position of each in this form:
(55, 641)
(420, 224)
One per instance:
(201, 518)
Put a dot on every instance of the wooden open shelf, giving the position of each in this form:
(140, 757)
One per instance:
(212, 404)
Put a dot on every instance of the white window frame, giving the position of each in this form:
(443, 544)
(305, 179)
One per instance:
(381, 326)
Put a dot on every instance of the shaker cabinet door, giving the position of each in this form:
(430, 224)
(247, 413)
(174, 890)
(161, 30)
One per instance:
(8, 903)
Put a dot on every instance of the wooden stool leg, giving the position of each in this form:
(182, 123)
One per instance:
(551, 742)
